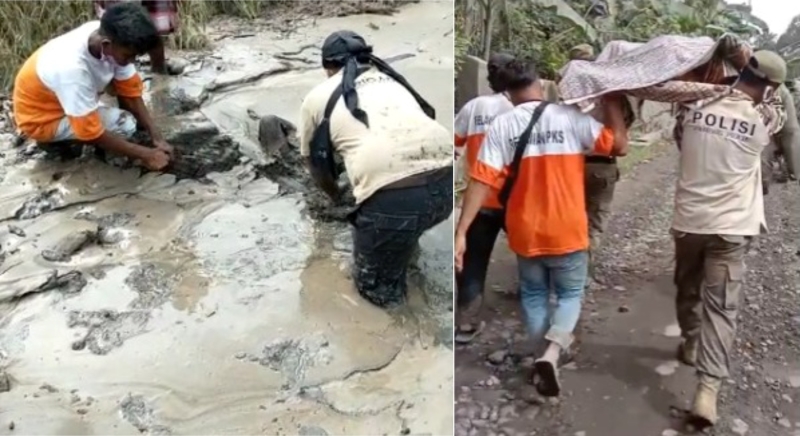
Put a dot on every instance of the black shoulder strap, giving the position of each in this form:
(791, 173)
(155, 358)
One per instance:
(337, 94)
(522, 144)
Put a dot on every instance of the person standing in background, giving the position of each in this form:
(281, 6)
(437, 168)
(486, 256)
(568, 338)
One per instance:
(470, 127)
(785, 143)
(164, 14)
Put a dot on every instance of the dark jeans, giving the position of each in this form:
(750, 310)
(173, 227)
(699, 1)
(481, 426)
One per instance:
(481, 237)
(387, 228)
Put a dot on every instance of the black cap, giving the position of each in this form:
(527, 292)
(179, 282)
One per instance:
(499, 60)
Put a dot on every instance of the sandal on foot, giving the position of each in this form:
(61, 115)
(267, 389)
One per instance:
(547, 383)
(465, 334)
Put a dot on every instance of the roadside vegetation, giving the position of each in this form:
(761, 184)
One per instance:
(545, 30)
(25, 25)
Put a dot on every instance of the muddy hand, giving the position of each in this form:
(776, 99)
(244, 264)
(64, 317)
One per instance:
(164, 146)
(156, 160)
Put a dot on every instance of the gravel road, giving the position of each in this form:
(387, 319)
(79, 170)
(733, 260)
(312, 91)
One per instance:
(625, 380)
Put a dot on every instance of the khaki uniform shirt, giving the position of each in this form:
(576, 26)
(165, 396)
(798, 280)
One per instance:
(719, 187)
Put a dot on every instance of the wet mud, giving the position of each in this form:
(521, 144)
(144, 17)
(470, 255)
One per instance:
(215, 297)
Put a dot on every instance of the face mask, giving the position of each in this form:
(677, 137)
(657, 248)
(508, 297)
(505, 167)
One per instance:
(107, 59)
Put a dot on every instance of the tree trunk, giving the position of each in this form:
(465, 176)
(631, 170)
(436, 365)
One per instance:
(488, 28)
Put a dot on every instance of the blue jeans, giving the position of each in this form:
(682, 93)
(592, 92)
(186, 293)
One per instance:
(567, 274)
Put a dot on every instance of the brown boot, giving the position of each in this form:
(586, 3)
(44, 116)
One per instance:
(704, 408)
(687, 351)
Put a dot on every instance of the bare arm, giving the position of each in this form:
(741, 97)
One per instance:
(324, 181)
(474, 196)
(136, 106)
(614, 115)
(118, 145)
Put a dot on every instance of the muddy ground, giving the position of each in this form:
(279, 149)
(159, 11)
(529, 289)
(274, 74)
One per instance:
(625, 380)
(214, 299)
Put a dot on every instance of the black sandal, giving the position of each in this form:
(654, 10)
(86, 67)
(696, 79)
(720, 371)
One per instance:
(546, 378)
(466, 333)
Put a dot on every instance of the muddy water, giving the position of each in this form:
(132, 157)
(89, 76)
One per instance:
(149, 303)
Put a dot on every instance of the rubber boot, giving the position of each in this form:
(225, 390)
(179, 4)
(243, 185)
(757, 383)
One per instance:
(704, 408)
(687, 352)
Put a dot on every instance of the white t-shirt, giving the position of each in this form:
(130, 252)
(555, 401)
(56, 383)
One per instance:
(400, 141)
(62, 78)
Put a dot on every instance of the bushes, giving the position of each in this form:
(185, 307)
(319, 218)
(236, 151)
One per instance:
(26, 25)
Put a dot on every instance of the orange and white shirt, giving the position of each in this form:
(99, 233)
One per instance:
(546, 213)
(471, 124)
(63, 79)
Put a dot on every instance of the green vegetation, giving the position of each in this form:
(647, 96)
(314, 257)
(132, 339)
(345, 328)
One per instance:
(547, 29)
(26, 25)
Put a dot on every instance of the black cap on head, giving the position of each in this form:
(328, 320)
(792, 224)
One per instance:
(518, 74)
(343, 45)
(345, 49)
(496, 64)
(498, 60)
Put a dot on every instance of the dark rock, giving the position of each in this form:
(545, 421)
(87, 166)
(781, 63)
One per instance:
(14, 230)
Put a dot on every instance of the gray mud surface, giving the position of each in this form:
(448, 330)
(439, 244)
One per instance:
(626, 380)
(214, 298)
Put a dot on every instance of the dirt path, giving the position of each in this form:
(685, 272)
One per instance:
(625, 381)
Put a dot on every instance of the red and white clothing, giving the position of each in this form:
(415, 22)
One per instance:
(63, 81)
(471, 124)
(546, 213)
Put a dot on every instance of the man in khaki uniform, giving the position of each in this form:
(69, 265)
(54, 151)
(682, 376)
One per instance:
(785, 142)
(719, 208)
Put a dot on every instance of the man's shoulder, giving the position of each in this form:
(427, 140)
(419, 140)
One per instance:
(318, 97)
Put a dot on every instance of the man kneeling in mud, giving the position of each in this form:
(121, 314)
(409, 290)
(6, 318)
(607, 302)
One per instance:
(398, 159)
(534, 156)
(56, 93)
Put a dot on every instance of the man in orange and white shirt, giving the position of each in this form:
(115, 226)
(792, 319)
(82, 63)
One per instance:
(470, 127)
(545, 215)
(57, 90)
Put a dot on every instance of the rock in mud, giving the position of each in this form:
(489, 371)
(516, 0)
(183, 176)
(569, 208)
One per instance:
(14, 230)
(152, 284)
(292, 357)
(68, 246)
(107, 329)
(40, 204)
(68, 283)
(199, 148)
(312, 430)
(219, 154)
(497, 357)
(140, 415)
(110, 235)
(739, 427)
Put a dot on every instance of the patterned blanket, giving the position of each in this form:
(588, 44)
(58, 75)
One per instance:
(675, 69)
